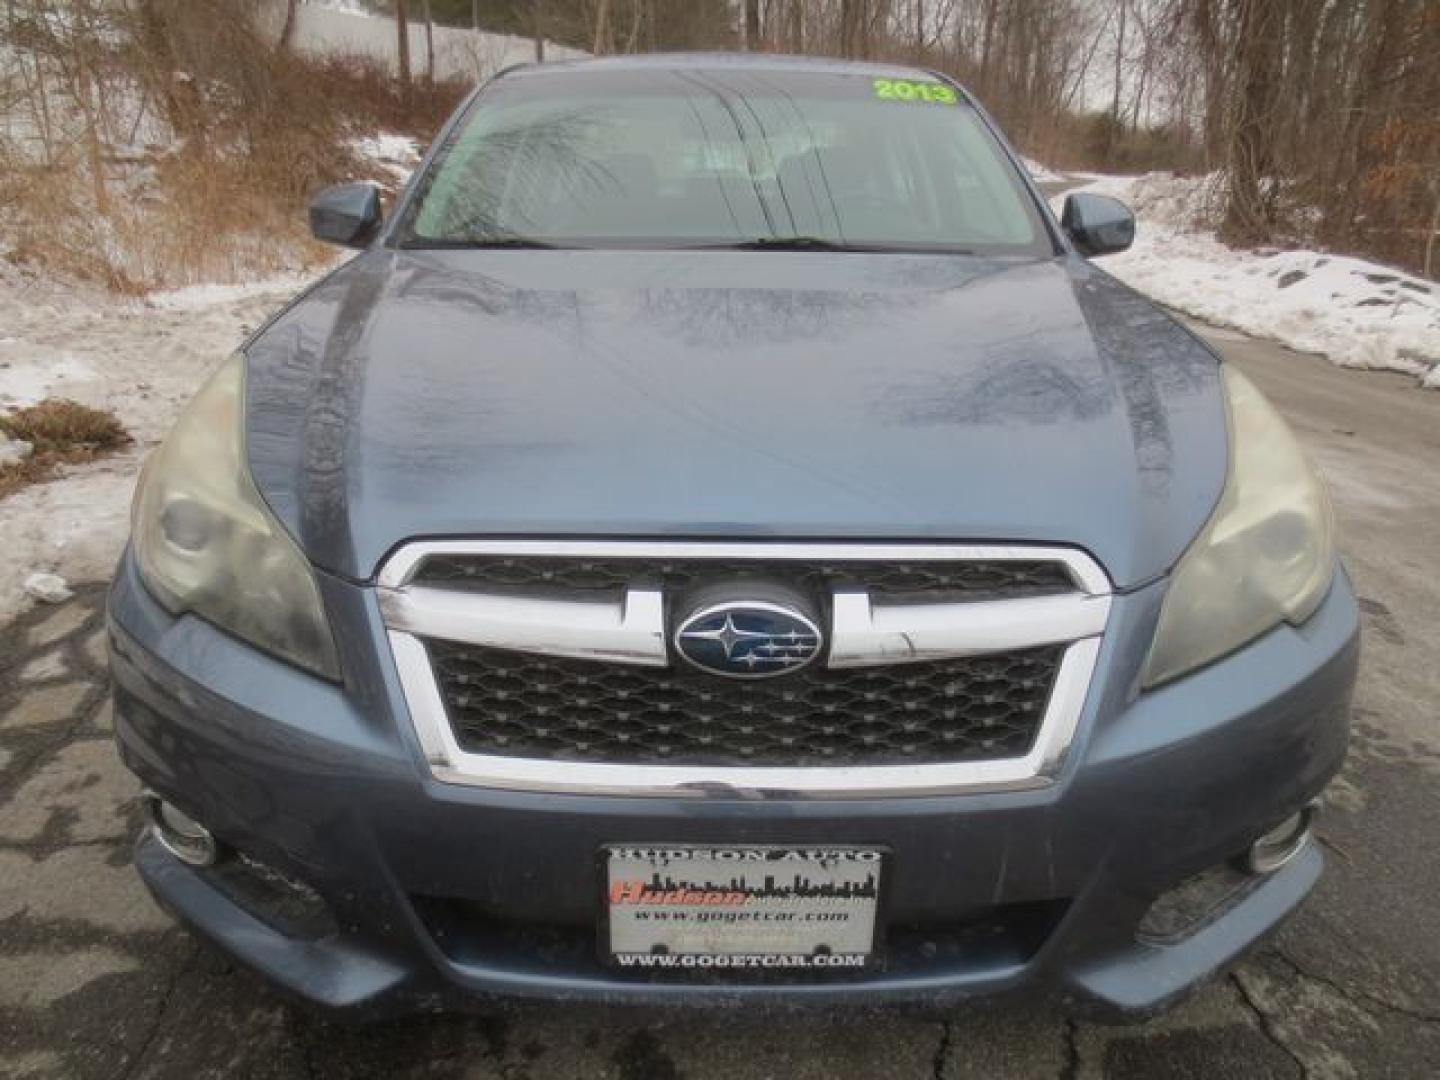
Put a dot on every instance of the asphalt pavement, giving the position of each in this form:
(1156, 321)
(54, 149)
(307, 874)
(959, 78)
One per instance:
(96, 982)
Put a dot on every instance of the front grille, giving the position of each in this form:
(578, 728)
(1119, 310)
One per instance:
(934, 581)
(521, 705)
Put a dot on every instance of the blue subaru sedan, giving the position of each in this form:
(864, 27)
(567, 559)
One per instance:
(721, 540)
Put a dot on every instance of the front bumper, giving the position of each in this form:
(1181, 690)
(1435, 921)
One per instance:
(436, 894)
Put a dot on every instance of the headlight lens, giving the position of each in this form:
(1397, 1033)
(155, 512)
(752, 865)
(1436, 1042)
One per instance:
(1267, 554)
(206, 543)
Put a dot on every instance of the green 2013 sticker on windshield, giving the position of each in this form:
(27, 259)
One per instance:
(905, 90)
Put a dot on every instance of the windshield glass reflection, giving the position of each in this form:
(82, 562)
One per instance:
(813, 161)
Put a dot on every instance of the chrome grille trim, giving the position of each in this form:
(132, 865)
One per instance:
(401, 566)
(866, 634)
(632, 632)
(629, 632)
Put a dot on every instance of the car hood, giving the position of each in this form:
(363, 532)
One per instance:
(733, 395)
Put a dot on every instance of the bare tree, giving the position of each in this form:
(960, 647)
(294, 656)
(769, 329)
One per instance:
(402, 39)
(1322, 114)
(429, 42)
(852, 28)
(600, 42)
(287, 31)
(1433, 234)
(1248, 212)
(1119, 64)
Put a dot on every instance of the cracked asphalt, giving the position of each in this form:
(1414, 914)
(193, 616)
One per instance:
(96, 982)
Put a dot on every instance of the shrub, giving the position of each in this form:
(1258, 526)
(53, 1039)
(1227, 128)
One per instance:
(60, 432)
(164, 142)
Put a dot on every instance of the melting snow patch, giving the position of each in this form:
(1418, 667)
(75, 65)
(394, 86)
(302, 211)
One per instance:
(1355, 312)
(348, 7)
(396, 154)
(13, 451)
(1039, 173)
(47, 588)
(27, 378)
(203, 297)
(143, 360)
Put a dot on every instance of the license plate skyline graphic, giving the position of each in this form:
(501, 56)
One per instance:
(736, 901)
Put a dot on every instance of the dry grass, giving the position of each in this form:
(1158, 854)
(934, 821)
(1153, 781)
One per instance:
(362, 91)
(62, 432)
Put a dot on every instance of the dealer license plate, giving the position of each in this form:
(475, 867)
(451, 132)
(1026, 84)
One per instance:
(674, 906)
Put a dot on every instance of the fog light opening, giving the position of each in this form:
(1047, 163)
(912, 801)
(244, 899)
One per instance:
(1281, 844)
(179, 833)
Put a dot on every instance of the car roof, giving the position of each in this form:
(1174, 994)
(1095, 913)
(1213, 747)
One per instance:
(689, 61)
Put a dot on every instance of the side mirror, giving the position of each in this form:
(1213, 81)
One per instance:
(1098, 224)
(346, 214)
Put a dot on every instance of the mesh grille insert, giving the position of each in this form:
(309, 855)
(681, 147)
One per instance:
(521, 705)
(933, 580)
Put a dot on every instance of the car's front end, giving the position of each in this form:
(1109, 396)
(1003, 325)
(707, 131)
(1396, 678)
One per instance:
(704, 626)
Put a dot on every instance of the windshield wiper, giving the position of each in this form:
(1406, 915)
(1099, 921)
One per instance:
(484, 242)
(792, 243)
(819, 243)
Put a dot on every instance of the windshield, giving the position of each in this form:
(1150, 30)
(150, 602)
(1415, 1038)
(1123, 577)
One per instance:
(701, 158)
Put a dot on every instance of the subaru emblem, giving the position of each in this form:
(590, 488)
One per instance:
(748, 639)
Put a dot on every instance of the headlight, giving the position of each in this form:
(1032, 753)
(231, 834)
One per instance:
(1267, 554)
(206, 543)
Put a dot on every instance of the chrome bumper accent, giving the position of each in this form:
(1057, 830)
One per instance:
(632, 631)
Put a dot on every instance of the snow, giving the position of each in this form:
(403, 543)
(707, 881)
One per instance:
(14, 451)
(397, 155)
(143, 360)
(349, 7)
(1355, 312)
(203, 297)
(23, 383)
(389, 147)
(348, 28)
(47, 588)
(1040, 173)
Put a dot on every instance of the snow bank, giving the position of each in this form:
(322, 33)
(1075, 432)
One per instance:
(1355, 312)
(347, 28)
(349, 7)
(141, 359)
(13, 451)
(396, 155)
(1039, 173)
(205, 297)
